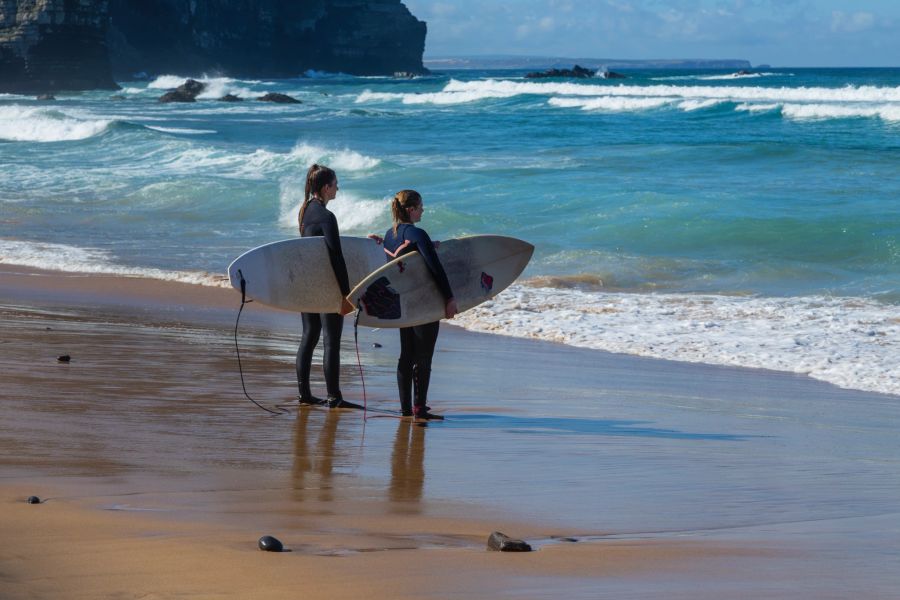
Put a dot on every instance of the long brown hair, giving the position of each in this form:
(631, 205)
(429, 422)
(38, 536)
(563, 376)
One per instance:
(400, 205)
(317, 177)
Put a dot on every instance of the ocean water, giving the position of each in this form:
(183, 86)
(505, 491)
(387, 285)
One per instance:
(697, 216)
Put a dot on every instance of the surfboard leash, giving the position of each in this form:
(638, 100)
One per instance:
(237, 349)
(359, 361)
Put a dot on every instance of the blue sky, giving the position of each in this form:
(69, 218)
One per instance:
(781, 33)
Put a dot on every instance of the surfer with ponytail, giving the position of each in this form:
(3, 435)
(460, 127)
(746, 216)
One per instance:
(316, 220)
(416, 343)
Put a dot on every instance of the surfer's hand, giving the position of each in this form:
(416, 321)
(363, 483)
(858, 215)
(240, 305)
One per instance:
(451, 309)
(374, 236)
(347, 307)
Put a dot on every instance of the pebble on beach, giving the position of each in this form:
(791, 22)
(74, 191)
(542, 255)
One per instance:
(64, 358)
(33, 500)
(270, 544)
(503, 543)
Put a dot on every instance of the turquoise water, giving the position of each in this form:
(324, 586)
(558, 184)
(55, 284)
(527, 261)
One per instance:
(655, 199)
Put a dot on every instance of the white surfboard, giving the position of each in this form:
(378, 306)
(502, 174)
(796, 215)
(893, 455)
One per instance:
(296, 274)
(403, 292)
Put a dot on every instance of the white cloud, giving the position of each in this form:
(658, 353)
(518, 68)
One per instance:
(852, 23)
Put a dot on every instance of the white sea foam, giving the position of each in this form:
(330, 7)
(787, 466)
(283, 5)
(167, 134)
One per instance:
(62, 257)
(355, 215)
(887, 112)
(262, 164)
(180, 130)
(850, 342)
(610, 103)
(691, 105)
(216, 87)
(39, 124)
(719, 77)
(744, 106)
(735, 76)
(796, 102)
(732, 93)
(438, 98)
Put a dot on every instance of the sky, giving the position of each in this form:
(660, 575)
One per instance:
(794, 33)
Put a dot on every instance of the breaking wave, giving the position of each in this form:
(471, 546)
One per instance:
(38, 124)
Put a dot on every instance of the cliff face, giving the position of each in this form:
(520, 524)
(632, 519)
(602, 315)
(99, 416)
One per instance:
(48, 45)
(264, 38)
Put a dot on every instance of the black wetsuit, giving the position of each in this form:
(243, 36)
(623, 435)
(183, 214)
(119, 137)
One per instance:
(319, 221)
(416, 343)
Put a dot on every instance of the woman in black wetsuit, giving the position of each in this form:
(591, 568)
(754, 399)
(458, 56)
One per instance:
(316, 220)
(416, 343)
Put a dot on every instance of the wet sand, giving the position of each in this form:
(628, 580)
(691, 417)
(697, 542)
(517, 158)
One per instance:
(159, 476)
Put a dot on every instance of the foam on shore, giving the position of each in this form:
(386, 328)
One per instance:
(73, 259)
(850, 342)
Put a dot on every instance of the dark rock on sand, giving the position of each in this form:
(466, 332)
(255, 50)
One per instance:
(577, 72)
(376, 345)
(270, 544)
(279, 98)
(186, 92)
(503, 543)
(231, 98)
(64, 358)
(33, 500)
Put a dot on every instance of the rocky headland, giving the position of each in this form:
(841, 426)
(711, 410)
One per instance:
(53, 45)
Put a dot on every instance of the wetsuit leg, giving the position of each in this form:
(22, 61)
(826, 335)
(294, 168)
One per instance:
(425, 339)
(334, 327)
(312, 328)
(405, 369)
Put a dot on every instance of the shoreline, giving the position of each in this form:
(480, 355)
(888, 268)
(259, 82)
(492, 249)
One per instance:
(161, 477)
(802, 351)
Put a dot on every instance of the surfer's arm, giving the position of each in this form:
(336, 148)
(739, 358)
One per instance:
(335, 255)
(426, 249)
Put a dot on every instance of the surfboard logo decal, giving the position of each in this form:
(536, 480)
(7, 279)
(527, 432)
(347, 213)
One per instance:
(487, 282)
(380, 300)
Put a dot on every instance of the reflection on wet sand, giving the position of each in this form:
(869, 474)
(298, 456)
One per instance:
(408, 467)
(333, 448)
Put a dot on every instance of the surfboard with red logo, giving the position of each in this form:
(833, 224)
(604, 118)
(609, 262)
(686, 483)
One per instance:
(403, 292)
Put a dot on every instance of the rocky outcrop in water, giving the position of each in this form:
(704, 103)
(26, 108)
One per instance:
(49, 45)
(577, 72)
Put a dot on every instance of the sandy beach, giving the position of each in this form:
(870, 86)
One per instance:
(669, 480)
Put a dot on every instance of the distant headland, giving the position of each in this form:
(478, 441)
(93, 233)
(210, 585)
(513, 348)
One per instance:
(556, 62)
(55, 45)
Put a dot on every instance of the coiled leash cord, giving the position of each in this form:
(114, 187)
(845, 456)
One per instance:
(237, 349)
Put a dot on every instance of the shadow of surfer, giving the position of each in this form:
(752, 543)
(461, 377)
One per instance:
(407, 467)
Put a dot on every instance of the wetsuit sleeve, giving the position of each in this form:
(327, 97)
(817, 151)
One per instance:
(335, 255)
(426, 248)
